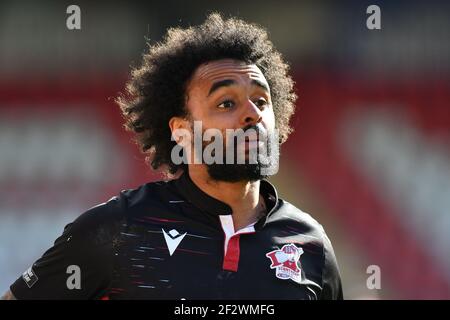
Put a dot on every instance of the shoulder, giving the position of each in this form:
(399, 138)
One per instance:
(103, 219)
(305, 223)
(288, 213)
(147, 194)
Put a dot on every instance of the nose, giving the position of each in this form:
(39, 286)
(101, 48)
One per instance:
(251, 115)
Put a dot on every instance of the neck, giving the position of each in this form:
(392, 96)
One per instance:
(243, 197)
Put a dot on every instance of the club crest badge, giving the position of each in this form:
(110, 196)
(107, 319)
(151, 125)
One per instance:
(285, 261)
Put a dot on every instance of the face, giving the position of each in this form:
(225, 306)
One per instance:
(229, 94)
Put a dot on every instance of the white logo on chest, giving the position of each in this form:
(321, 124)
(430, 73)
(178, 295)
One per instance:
(173, 239)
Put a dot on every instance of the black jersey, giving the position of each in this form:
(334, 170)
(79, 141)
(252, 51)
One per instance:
(170, 240)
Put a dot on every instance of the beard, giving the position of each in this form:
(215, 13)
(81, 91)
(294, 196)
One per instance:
(257, 165)
(235, 172)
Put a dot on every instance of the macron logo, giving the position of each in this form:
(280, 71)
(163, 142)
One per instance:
(173, 239)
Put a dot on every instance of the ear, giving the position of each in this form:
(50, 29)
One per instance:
(178, 123)
(179, 127)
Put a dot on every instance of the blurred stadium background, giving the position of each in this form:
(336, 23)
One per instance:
(370, 156)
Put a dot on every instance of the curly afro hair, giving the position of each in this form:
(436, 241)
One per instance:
(156, 90)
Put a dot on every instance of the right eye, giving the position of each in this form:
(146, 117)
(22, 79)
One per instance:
(226, 104)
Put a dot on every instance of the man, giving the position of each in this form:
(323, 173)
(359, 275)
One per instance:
(219, 231)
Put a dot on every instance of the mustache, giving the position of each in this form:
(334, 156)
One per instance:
(259, 129)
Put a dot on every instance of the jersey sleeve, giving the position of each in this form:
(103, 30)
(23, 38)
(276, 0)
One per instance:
(332, 284)
(78, 265)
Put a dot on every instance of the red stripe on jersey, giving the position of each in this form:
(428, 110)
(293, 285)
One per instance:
(231, 259)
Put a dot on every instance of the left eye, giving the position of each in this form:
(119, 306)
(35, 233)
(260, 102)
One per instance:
(260, 103)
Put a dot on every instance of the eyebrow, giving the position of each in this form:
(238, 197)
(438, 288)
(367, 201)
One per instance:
(230, 82)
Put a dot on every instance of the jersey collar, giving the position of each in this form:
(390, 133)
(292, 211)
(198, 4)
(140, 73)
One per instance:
(205, 202)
